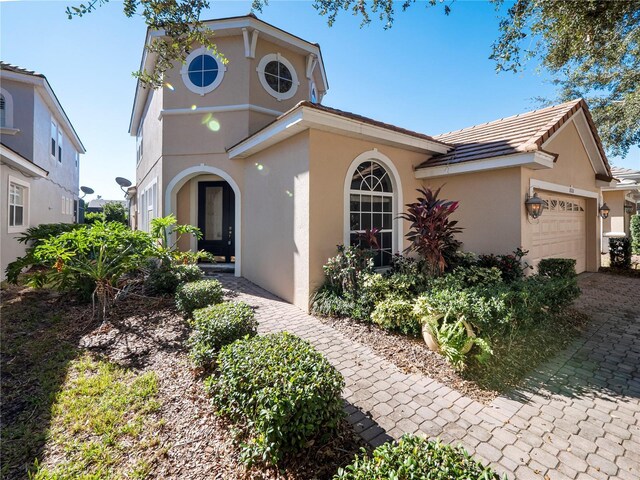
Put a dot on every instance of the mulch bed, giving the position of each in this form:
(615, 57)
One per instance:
(145, 334)
(504, 371)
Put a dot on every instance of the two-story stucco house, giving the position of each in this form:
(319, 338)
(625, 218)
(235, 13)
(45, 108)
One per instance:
(275, 180)
(39, 158)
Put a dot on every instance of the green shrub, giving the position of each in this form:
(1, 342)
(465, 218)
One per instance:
(344, 272)
(115, 212)
(415, 458)
(620, 252)
(193, 295)
(396, 314)
(329, 302)
(218, 325)
(280, 389)
(91, 218)
(635, 233)
(511, 266)
(557, 267)
(164, 278)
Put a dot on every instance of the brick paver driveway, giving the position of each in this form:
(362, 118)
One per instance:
(577, 417)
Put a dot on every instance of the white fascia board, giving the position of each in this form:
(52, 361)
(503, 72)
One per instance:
(351, 127)
(556, 187)
(277, 131)
(28, 168)
(533, 160)
(45, 90)
(306, 117)
(220, 109)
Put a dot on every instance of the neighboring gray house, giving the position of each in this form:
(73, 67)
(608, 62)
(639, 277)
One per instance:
(97, 204)
(39, 159)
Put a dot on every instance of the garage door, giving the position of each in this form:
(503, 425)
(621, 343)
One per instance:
(560, 231)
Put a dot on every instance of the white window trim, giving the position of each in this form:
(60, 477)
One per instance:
(277, 57)
(375, 156)
(185, 72)
(25, 208)
(54, 124)
(60, 150)
(139, 147)
(143, 206)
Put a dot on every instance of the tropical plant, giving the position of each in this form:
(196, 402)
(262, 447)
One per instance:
(431, 232)
(344, 272)
(92, 258)
(620, 252)
(279, 391)
(396, 314)
(511, 265)
(416, 458)
(635, 233)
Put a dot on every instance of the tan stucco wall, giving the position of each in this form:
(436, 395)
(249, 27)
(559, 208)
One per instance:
(617, 220)
(151, 136)
(571, 169)
(275, 225)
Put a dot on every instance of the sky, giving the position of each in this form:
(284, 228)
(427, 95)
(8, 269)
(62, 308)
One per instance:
(429, 72)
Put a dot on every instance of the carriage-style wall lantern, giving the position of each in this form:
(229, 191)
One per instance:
(604, 210)
(534, 205)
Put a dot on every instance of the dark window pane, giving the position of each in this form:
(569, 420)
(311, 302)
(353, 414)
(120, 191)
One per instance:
(387, 204)
(377, 204)
(284, 72)
(11, 215)
(196, 78)
(209, 63)
(19, 211)
(53, 147)
(285, 86)
(387, 220)
(366, 221)
(386, 184)
(386, 258)
(386, 239)
(366, 203)
(209, 77)
(272, 68)
(354, 221)
(272, 81)
(354, 205)
(377, 220)
(196, 64)
(353, 238)
(377, 259)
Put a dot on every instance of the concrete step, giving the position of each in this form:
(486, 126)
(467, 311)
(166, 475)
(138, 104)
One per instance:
(213, 268)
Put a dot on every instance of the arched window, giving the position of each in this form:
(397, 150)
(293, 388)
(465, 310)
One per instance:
(3, 112)
(371, 205)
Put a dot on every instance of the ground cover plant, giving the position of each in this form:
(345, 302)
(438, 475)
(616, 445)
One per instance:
(280, 391)
(199, 294)
(416, 458)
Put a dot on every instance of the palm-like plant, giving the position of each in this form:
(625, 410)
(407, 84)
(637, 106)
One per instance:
(432, 233)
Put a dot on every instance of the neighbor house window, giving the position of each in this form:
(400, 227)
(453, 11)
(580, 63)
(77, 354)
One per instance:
(148, 206)
(17, 204)
(371, 200)
(3, 111)
(202, 71)
(59, 146)
(139, 144)
(54, 139)
(6, 109)
(277, 76)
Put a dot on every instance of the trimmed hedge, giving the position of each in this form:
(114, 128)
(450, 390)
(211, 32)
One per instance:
(279, 390)
(218, 325)
(165, 279)
(416, 458)
(620, 252)
(557, 267)
(635, 233)
(193, 295)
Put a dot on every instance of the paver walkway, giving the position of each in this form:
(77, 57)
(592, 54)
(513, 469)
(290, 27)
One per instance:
(576, 417)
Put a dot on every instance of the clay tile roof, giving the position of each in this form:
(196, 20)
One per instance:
(367, 120)
(14, 68)
(521, 133)
(615, 171)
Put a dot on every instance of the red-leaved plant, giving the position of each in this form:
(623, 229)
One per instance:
(431, 232)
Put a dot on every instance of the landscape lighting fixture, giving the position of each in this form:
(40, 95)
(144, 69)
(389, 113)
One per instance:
(534, 205)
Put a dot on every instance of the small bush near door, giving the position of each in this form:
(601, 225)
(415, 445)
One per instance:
(416, 458)
(557, 267)
(620, 252)
(280, 391)
(164, 279)
(193, 295)
(218, 325)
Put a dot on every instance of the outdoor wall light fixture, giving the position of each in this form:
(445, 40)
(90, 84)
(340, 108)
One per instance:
(604, 210)
(534, 205)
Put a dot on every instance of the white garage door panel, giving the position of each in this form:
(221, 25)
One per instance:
(561, 230)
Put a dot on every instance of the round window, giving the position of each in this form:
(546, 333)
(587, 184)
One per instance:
(202, 71)
(277, 76)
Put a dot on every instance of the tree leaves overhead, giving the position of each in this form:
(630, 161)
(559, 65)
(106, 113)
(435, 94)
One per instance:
(592, 49)
(178, 19)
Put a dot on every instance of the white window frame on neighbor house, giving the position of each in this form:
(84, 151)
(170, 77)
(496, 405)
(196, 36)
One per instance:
(277, 57)
(374, 155)
(59, 146)
(148, 205)
(139, 143)
(53, 146)
(185, 72)
(25, 186)
(6, 119)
